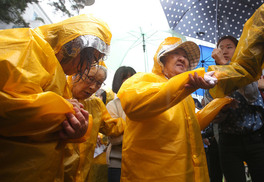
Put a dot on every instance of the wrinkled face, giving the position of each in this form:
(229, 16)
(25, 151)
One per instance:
(89, 84)
(175, 63)
(228, 48)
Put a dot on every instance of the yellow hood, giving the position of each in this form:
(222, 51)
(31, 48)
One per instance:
(58, 34)
(158, 66)
(170, 44)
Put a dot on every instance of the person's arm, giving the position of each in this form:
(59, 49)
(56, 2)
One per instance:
(206, 115)
(143, 97)
(109, 126)
(32, 114)
(115, 110)
(112, 109)
(41, 115)
(221, 116)
(247, 62)
(32, 87)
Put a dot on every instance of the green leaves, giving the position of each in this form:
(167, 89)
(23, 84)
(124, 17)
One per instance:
(11, 10)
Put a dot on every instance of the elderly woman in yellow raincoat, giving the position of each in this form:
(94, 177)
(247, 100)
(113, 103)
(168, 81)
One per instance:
(36, 119)
(162, 139)
(79, 156)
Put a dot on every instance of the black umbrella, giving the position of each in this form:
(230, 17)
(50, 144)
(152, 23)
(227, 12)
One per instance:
(209, 19)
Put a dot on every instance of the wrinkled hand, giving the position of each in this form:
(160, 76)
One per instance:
(76, 125)
(210, 78)
(196, 82)
(75, 103)
(218, 56)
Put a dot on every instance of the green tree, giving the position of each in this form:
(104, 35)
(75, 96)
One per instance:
(11, 10)
(76, 5)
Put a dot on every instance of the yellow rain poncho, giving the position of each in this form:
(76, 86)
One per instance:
(162, 139)
(33, 89)
(110, 95)
(79, 157)
(247, 63)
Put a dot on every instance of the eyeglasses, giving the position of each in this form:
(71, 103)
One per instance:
(91, 80)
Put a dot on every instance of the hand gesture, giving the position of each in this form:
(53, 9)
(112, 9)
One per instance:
(218, 56)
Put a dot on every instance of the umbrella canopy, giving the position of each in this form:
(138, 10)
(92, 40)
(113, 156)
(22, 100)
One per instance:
(205, 57)
(209, 19)
(136, 48)
(205, 61)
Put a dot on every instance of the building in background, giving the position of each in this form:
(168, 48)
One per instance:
(34, 15)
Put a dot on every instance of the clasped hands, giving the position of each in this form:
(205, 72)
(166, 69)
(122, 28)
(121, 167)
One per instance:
(75, 125)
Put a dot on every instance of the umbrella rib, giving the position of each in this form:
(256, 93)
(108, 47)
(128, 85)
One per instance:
(130, 47)
(133, 35)
(201, 51)
(174, 26)
(151, 35)
(209, 57)
(216, 23)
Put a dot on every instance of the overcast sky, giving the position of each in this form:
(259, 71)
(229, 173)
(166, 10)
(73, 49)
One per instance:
(125, 15)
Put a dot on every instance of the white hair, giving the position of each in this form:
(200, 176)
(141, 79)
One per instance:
(104, 69)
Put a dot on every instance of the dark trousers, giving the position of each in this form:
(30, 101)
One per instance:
(234, 149)
(114, 174)
(213, 162)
